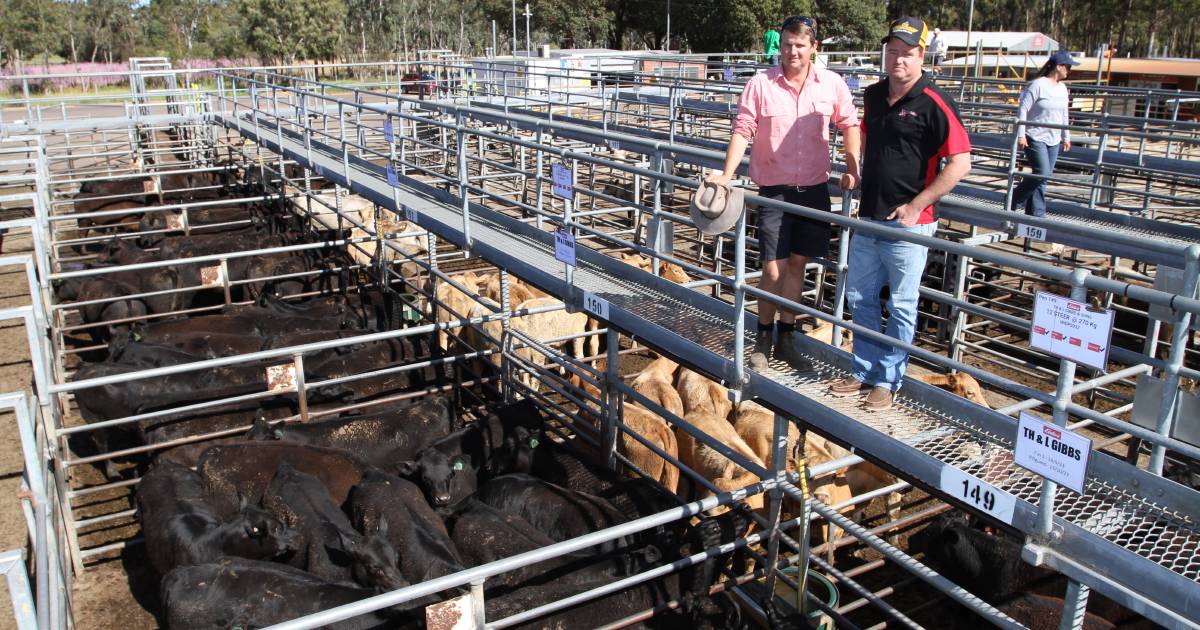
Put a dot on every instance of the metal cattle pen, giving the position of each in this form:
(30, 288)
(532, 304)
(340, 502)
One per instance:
(448, 165)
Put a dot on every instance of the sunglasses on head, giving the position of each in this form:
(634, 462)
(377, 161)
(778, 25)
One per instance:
(798, 19)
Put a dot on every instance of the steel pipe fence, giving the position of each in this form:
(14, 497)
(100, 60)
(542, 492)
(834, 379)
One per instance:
(568, 220)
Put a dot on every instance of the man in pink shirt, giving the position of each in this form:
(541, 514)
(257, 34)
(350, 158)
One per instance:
(786, 112)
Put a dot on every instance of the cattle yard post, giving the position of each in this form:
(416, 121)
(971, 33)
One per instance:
(839, 291)
(612, 400)
(1066, 379)
(1169, 408)
(739, 309)
(1074, 606)
(779, 449)
(506, 308)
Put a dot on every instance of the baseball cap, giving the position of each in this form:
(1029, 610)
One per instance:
(909, 30)
(1063, 58)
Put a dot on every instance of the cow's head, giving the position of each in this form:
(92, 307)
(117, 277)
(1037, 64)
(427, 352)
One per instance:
(257, 534)
(373, 560)
(262, 431)
(445, 479)
(515, 454)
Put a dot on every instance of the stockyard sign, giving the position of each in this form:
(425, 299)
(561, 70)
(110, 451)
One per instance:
(562, 185)
(1052, 452)
(281, 378)
(1071, 330)
(213, 276)
(564, 246)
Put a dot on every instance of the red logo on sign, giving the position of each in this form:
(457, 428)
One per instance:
(1094, 347)
(1057, 336)
(1076, 341)
(1039, 330)
(1074, 306)
(1038, 41)
(1052, 432)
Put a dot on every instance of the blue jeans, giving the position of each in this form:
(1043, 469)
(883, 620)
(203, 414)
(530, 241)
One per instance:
(1032, 190)
(874, 262)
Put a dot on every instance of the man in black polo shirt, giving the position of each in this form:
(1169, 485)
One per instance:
(910, 126)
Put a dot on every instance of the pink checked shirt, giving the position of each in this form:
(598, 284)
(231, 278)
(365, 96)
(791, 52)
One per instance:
(789, 129)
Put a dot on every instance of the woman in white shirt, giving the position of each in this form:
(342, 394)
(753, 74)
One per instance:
(1044, 100)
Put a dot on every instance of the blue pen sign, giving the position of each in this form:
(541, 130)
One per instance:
(391, 176)
(387, 131)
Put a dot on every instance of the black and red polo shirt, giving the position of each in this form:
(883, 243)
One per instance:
(904, 143)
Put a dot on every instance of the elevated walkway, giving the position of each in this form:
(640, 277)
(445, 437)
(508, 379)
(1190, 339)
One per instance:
(1132, 536)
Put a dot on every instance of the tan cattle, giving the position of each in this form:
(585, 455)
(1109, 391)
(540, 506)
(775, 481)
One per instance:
(961, 384)
(713, 465)
(701, 394)
(667, 270)
(654, 382)
(824, 333)
(454, 303)
(656, 430)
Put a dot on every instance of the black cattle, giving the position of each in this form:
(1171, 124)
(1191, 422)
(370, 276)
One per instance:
(154, 227)
(120, 400)
(228, 418)
(384, 504)
(179, 528)
(200, 344)
(564, 465)
(174, 248)
(485, 534)
(123, 283)
(452, 468)
(238, 593)
(114, 311)
(331, 549)
(555, 511)
(988, 563)
(377, 439)
(249, 467)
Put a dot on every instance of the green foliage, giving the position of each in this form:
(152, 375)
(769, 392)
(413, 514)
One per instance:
(857, 24)
(29, 29)
(289, 30)
(286, 30)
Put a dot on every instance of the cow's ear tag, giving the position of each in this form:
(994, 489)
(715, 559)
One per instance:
(136, 337)
(458, 465)
(278, 434)
(533, 442)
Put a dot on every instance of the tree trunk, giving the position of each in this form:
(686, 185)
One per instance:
(1124, 27)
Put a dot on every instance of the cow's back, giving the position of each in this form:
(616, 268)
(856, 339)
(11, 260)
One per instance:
(246, 469)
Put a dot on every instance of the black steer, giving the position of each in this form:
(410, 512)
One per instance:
(332, 549)
(179, 528)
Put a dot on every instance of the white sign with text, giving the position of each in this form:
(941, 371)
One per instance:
(594, 305)
(563, 179)
(1031, 232)
(1052, 452)
(1071, 330)
(977, 493)
(564, 246)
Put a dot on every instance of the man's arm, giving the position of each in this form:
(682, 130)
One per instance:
(733, 158)
(852, 152)
(957, 167)
(745, 124)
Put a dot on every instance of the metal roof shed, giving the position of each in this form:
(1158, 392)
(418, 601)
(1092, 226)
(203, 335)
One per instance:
(1016, 42)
